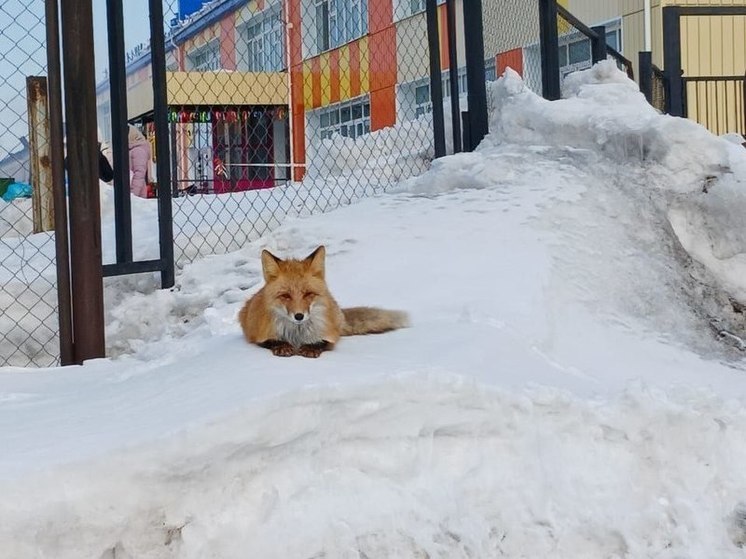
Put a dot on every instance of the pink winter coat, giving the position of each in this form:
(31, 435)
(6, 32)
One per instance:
(140, 157)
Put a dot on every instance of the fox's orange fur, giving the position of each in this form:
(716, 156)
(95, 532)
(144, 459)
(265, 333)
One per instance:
(294, 313)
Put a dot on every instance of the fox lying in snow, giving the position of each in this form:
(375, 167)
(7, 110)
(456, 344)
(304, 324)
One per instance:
(294, 313)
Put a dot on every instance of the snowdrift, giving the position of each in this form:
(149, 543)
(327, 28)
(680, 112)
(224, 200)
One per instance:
(562, 391)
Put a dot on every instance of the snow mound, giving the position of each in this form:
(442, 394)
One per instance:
(414, 467)
(645, 183)
(605, 112)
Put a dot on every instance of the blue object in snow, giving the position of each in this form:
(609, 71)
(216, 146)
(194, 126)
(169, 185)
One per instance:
(17, 190)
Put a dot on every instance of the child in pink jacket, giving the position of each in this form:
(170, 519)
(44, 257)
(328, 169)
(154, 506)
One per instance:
(140, 157)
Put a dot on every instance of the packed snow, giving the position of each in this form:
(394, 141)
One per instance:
(572, 384)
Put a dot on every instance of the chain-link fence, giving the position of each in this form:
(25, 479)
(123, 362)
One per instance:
(28, 297)
(511, 39)
(284, 107)
(659, 93)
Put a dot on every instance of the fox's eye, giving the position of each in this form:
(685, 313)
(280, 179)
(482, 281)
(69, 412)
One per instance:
(284, 296)
(309, 294)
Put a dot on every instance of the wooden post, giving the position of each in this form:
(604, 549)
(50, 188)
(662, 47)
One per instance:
(41, 168)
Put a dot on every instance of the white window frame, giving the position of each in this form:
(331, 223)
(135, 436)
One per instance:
(211, 65)
(613, 27)
(424, 107)
(265, 50)
(408, 8)
(339, 22)
(350, 127)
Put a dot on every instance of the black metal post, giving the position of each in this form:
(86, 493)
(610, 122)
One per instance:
(82, 152)
(646, 74)
(56, 139)
(465, 127)
(453, 72)
(163, 161)
(475, 79)
(119, 131)
(598, 44)
(436, 82)
(672, 59)
(550, 68)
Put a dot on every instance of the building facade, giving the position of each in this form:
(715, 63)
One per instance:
(255, 86)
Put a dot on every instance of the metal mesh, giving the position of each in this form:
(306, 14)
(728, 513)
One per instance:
(28, 298)
(659, 98)
(285, 107)
(575, 48)
(511, 39)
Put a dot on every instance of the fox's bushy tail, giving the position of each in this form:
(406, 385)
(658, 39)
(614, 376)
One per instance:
(369, 320)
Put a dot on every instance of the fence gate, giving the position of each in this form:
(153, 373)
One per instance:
(707, 87)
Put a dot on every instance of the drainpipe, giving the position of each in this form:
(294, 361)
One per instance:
(648, 29)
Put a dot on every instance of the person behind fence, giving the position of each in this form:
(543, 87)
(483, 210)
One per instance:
(140, 157)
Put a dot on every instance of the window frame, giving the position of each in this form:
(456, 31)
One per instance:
(332, 118)
(212, 47)
(270, 57)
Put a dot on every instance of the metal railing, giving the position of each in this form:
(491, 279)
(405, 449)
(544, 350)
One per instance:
(716, 102)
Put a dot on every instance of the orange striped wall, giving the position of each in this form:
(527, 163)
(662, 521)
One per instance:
(228, 42)
(512, 58)
(443, 37)
(367, 65)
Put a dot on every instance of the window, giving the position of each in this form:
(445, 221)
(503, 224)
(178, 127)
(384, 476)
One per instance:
(575, 48)
(406, 8)
(264, 49)
(206, 58)
(579, 51)
(614, 39)
(339, 22)
(416, 6)
(104, 120)
(462, 88)
(490, 70)
(422, 103)
(351, 119)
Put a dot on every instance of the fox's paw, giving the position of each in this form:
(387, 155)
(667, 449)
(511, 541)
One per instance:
(278, 347)
(313, 350)
(309, 351)
(282, 349)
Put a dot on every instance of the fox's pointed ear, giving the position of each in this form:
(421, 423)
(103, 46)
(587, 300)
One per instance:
(316, 262)
(270, 265)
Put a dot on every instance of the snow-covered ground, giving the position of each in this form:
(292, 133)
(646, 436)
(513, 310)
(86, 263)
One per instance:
(571, 384)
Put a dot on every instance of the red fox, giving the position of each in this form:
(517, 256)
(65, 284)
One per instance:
(294, 313)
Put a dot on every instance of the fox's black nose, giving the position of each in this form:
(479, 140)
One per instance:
(299, 316)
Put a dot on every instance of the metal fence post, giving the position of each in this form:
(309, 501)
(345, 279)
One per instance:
(82, 151)
(41, 176)
(672, 58)
(163, 160)
(56, 143)
(475, 78)
(598, 44)
(436, 82)
(646, 74)
(550, 68)
(119, 131)
(453, 72)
